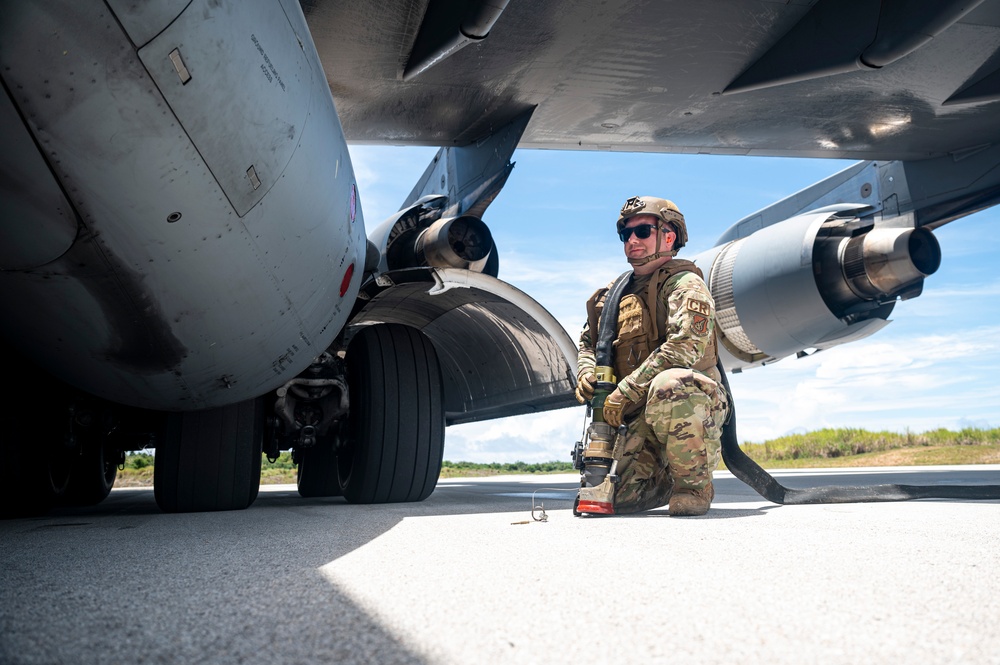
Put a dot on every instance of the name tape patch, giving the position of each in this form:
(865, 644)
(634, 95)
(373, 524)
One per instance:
(699, 306)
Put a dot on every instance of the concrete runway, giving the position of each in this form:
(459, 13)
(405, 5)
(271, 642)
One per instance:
(461, 578)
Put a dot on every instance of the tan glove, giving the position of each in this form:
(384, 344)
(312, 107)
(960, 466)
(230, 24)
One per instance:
(614, 405)
(585, 387)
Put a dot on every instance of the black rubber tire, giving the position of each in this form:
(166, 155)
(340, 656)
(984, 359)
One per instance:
(35, 479)
(396, 432)
(210, 460)
(93, 476)
(35, 463)
(317, 472)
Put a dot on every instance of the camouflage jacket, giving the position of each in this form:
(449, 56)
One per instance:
(681, 333)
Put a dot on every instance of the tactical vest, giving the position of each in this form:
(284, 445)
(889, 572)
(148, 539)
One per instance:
(642, 322)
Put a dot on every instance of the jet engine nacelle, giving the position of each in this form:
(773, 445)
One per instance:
(458, 242)
(812, 282)
(418, 236)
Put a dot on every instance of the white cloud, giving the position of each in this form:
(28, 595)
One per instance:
(895, 383)
(559, 284)
(540, 437)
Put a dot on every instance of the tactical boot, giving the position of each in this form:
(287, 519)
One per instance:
(691, 503)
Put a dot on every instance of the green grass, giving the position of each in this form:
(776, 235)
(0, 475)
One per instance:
(931, 455)
(471, 469)
(859, 444)
(822, 448)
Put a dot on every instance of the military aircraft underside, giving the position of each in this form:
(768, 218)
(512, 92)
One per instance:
(184, 260)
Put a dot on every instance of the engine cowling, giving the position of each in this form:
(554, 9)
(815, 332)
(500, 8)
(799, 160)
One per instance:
(458, 242)
(812, 282)
(418, 236)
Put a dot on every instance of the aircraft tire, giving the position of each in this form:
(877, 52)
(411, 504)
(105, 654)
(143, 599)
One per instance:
(396, 434)
(210, 460)
(317, 472)
(92, 477)
(35, 463)
(33, 484)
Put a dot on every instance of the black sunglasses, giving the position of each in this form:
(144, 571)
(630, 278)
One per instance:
(641, 231)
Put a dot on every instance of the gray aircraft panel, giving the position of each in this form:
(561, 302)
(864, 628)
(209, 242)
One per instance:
(652, 76)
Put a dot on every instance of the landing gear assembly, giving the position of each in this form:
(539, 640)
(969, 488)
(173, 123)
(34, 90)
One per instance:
(57, 445)
(368, 425)
(366, 422)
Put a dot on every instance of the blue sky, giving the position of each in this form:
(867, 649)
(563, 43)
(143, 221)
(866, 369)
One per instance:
(936, 364)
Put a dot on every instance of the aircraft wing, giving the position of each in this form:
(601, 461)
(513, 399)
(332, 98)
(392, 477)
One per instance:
(855, 79)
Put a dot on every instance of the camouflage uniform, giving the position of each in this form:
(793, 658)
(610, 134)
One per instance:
(665, 365)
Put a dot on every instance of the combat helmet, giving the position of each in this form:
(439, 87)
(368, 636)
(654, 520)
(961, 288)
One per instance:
(662, 208)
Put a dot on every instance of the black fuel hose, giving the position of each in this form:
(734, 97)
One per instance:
(764, 483)
(607, 327)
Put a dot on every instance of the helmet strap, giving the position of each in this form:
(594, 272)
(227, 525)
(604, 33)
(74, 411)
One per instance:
(651, 257)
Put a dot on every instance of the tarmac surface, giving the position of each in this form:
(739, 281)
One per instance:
(470, 576)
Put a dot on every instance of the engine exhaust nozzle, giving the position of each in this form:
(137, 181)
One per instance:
(885, 261)
(455, 242)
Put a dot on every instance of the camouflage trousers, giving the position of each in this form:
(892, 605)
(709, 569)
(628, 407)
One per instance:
(673, 442)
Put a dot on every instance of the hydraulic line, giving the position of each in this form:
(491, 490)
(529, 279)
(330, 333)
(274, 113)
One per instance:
(764, 483)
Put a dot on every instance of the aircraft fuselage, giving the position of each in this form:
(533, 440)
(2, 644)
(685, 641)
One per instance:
(180, 226)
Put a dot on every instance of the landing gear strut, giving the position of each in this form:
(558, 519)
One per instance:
(367, 423)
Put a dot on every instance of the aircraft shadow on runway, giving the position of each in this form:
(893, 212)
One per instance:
(266, 560)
